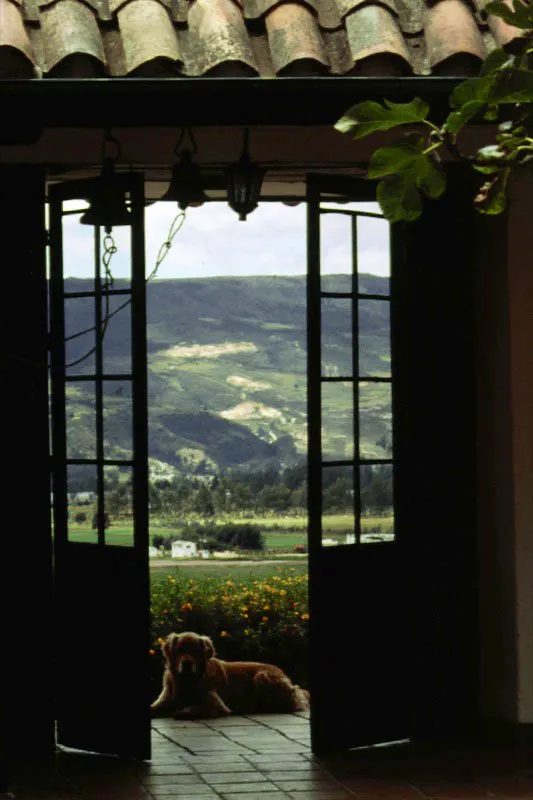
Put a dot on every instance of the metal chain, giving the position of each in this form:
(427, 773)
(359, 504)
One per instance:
(176, 225)
(110, 249)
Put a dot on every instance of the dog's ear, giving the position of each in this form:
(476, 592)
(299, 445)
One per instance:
(208, 647)
(169, 644)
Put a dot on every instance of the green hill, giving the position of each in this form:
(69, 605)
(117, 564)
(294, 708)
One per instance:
(227, 373)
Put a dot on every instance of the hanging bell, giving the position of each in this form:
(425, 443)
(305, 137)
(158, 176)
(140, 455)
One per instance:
(108, 208)
(185, 187)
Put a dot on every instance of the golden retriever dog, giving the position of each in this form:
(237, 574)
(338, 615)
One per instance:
(197, 684)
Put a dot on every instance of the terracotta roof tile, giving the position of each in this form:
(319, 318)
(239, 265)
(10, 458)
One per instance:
(69, 29)
(85, 38)
(147, 35)
(294, 36)
(451, 30)
(16, 51)
(373, 30)
(502, 31)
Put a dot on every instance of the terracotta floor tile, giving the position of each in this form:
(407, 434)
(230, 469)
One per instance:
(379, 790)
(258, 787)
(510, 787)
(221, 779)
(321, 783)
(199, 795)
(251, 796)
(455, 791)
(321, 794)
(172, 780)
(296, 772)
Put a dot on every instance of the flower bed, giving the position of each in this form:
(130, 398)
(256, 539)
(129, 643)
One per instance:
(248, 617)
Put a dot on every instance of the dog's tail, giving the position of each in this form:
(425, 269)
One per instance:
(279, 694)
(301, 698)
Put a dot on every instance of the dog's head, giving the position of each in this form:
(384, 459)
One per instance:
(187, 654)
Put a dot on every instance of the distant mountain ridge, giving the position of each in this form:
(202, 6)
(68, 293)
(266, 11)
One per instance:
(227, 372)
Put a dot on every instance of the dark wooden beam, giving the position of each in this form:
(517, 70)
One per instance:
(29, 106)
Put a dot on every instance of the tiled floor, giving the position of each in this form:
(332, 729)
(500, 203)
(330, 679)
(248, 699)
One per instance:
(268, 756)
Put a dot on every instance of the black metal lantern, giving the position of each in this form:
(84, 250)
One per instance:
(107, 202)
(244, 183)
(186, 186)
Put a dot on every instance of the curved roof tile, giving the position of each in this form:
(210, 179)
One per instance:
(373, 31)
(81, 38)
(503, 33)
(216, 33)
(69, 28)
(15, 46)
(147, 34)
(451, 30)
(293, 35)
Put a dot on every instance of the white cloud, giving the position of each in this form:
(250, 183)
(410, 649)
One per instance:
(213, 241)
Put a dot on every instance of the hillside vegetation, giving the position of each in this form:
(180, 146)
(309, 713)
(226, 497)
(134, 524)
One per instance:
(227, 374)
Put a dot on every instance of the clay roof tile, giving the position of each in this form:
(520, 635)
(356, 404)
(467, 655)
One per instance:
(266, 38)
(16, 51)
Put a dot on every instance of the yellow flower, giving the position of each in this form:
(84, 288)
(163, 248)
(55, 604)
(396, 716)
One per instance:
(186, 607)
(152, 652)
(304, 616)
(266, 608)
(224, 634)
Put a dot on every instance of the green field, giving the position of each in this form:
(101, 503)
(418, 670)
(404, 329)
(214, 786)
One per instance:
(281, 534)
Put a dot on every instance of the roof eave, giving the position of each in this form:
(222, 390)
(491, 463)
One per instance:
(31, 105)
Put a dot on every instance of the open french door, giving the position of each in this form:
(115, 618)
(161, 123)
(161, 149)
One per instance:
(99, 474)
(358, 636)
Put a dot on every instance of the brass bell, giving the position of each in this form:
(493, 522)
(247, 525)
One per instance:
(107, 205)
(185, 186)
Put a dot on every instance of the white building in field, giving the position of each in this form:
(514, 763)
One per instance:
(184, 549)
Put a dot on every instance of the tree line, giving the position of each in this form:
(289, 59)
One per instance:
(259, 493)
(270, 492)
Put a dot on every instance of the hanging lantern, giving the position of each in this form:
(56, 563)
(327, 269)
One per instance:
(186, 185)
(107, 203)
(244, 183)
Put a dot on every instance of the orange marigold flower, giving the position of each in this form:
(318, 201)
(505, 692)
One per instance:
(264, 619)
(186, 607)
(304, 616)
(152, 652)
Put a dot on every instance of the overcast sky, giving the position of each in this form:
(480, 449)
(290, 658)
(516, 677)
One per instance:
(212, 241)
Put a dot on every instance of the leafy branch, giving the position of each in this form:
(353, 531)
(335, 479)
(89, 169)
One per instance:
(410, 169)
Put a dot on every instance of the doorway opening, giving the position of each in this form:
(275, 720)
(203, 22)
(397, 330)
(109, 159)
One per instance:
(227, 416)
